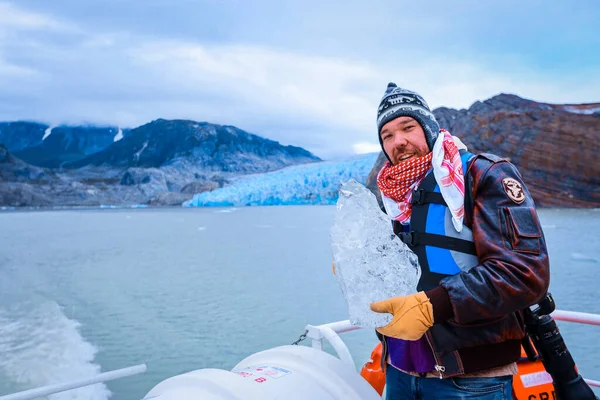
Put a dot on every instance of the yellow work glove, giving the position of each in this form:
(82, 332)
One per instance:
(413, 316)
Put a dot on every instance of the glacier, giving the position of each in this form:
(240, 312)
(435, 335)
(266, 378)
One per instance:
(304, 184)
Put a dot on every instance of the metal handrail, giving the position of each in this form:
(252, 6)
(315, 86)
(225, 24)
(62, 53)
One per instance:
(61, 387)
(577, 317)
(346, 326)
(326, 332)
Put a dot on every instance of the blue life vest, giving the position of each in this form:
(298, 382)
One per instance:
(442, 251)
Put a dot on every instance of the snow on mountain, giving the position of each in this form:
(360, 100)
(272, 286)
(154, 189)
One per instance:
(582, 110)
(118, 136)
(64, 144)
(314, 183)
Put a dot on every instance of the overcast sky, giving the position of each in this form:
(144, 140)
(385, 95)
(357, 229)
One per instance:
(307, 72)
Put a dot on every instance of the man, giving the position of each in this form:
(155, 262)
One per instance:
(473, 225)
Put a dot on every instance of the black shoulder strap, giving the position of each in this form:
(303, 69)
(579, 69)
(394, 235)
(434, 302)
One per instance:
(469, 192)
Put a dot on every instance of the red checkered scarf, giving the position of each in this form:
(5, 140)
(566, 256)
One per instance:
(397, 181)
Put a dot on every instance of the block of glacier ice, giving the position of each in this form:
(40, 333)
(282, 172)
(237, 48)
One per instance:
(371, 262)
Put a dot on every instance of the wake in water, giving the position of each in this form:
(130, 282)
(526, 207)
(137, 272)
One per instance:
(41, 346)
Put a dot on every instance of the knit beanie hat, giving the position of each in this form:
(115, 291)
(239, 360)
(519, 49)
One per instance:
(397, 102)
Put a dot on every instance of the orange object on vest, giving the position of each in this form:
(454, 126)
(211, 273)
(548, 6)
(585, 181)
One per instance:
(532, 382)
(372, 371)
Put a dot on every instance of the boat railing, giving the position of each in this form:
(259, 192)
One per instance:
(317, 334)
(62, 387)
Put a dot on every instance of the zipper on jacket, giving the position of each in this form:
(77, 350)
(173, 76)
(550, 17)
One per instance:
(438, 367)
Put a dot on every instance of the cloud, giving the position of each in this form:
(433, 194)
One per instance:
(281, 83)
(364, 147)
(339, 96)
(58, 72)
(12, 17)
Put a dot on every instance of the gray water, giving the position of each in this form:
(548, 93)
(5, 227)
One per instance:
(83, 292)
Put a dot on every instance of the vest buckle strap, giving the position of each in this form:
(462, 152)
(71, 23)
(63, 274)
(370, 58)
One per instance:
(410, 238)
(418, 196)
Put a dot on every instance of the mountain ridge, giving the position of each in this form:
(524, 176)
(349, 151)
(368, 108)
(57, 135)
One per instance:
(165, 142)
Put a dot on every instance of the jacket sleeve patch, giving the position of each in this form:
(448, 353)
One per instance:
(514, 190)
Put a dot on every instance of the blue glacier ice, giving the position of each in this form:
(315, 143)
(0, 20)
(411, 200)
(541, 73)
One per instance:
(313, 183)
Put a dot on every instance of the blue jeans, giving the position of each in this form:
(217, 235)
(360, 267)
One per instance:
(401, 386)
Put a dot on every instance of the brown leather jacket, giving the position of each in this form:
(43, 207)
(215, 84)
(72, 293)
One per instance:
(478, 322)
